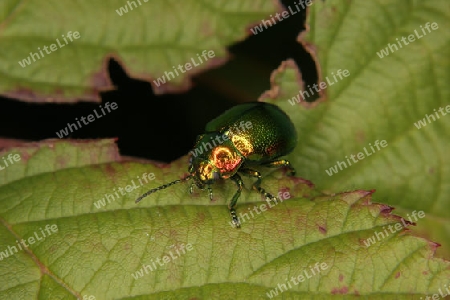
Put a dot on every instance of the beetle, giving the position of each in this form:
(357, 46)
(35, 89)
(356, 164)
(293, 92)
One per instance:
(247, 135)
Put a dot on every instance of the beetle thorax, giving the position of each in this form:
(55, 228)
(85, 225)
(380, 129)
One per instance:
(222, 161)
(226, 159)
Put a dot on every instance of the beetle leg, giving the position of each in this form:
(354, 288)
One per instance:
(257, 184)
(191, 188)
(210, 193)
(281, 163)
(237, 179)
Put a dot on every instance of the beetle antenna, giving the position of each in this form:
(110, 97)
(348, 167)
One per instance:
(162, 187)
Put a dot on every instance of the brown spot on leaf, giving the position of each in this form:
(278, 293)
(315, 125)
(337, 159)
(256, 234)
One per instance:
(361, 243)
(360, 136)
(53, 249)
(342, 290)
(207, 29)
(110, 170)
(201, 217)
(300, 222)
(322, 229)
(364, 193)
(434, 245)
(24, 156)
(397, 275)
(298, 180)
(99, 80)
(61, 161)
(127, 247)
(386, 209)
(341, 277)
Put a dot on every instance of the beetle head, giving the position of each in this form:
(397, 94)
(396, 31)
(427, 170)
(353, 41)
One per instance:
(203, 172)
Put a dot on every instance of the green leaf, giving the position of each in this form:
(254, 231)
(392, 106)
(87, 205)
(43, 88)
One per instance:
(97, 249)
(149, 39)
(30, 160)
(381, 99)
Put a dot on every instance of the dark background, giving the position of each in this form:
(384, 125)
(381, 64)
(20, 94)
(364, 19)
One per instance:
(165, 127)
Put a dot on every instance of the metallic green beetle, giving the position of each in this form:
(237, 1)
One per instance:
(247, 135)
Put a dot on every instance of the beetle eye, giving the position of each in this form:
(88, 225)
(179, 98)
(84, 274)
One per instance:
(216, 176)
